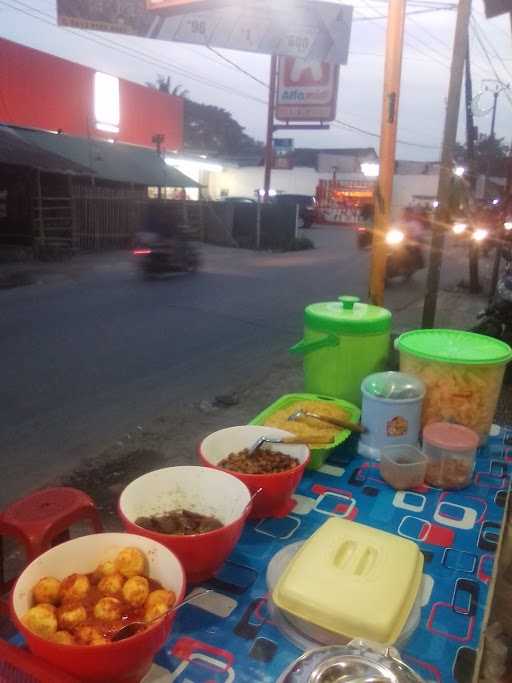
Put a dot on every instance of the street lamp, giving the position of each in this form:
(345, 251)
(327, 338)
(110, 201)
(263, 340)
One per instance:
(370, 170)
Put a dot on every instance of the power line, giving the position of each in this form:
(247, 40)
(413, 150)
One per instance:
(134, 53)
(443, 43)
(410, 45)
(493, 49)
(495, 26)
(407, 143)
(105, 42)
(238, 67)
(476, 32)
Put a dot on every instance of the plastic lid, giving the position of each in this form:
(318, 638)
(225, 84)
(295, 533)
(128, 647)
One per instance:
(393, 386)
(455, 346)
(451, 437)
(347, 315)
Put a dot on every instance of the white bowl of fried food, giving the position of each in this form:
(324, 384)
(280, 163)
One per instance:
(69, 603)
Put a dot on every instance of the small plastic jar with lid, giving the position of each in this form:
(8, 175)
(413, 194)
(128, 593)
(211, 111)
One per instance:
(451, 451)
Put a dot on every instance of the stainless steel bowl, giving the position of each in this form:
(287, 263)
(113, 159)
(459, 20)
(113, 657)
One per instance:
(349, 664)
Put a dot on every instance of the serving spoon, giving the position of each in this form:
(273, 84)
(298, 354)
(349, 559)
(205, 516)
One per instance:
(345, 424)
(135, 626)
(298, 440)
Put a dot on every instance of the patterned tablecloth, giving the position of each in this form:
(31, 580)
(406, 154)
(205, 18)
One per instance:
(232, 636)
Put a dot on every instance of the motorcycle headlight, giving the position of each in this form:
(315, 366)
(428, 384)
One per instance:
(508, 225)
(480, 234)
(459, 228)
(394, 237)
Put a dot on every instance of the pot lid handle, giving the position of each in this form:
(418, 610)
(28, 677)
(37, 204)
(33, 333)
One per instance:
(348, 302)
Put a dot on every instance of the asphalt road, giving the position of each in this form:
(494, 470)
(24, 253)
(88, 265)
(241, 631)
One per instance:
(95, 351)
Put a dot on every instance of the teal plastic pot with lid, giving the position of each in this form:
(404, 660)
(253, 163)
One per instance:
(344, 342)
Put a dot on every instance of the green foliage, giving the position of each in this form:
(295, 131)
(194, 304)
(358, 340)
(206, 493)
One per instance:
(490, 156)
(164, 85)
(213, 130)
(208, 129)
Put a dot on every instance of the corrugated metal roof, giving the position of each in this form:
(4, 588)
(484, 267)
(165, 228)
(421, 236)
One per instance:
(110, 161)
(15, 150)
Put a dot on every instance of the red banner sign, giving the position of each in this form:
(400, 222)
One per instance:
(307, 91)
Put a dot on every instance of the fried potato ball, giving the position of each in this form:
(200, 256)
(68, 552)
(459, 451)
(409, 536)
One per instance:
(136, 591)
(107, 568)
(168, 598)
(63, 638)
(88, 635)
(130, 562)
(42, 619)
(158, 609)
(74, 588)
(46, 591)
(71, 615)
(111, 584)
(108, 609)
(104, 569)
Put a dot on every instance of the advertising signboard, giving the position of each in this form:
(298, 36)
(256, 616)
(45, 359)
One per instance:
(299, 28)
(283, 153)
(50, 93)
(306, 90)
(493, 8)
(184, 5)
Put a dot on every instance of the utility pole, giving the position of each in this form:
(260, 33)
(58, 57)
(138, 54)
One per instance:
(474, 277)
(496, 94)
(442, 216)
(269, 148)
(158, 139)
(387, 154)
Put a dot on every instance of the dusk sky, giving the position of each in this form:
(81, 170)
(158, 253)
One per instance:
(211, 80)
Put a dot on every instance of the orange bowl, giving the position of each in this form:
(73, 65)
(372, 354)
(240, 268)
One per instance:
(126, 661)
(198, 489)
(275, 496)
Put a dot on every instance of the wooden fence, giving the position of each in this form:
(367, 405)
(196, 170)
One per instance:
(107, 222)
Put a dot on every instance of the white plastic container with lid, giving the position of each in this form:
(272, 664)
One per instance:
(392, 403)
(451, 451)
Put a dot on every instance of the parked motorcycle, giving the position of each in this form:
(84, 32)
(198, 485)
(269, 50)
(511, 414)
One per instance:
(496, 319)
(405, 256)
(167, 257)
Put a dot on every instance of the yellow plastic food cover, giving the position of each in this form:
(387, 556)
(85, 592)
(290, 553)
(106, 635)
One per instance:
(353, 580)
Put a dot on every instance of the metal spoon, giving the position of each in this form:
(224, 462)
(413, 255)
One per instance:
(135, 626)
(287, 440)
(345, 424)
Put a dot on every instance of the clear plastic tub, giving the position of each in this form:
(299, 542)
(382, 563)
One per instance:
(451, 452)
(403, 466)
(463, 373)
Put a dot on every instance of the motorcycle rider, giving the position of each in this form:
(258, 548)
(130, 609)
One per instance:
(414, 237)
